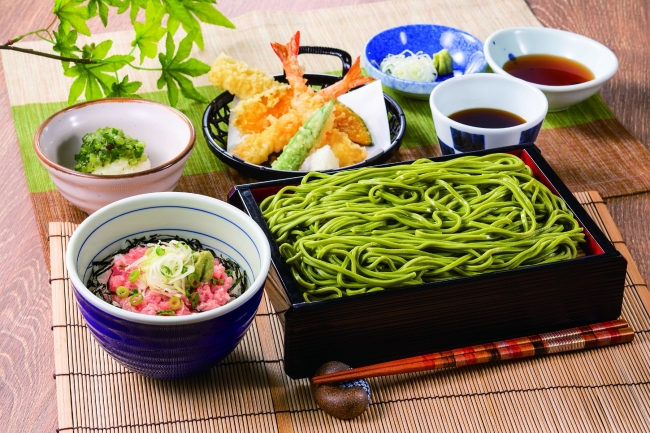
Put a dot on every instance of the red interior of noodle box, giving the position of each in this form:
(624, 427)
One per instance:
(415, 320)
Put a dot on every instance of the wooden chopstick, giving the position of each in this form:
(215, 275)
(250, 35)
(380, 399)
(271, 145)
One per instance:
(584, 337)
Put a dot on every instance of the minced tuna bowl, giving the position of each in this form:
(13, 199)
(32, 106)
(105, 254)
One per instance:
(167, 277)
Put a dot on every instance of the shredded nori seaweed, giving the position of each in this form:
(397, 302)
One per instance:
(100, 267)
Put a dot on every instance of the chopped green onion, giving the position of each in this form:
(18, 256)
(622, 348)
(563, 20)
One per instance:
(122, 292)
(165, 313)
(184, 270)
(214, 281)
(166, 271)
(193, 280)
(229, 272)
(136, 299)
(175, 303)
(160, 251)
(134, 275)
(195, 299)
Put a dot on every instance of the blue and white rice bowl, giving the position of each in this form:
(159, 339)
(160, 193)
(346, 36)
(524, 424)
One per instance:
(490, 91)
(466, 51)
(164, 347)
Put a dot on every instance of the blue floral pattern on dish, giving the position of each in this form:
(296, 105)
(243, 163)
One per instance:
(465, 49)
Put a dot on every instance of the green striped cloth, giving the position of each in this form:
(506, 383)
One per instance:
(420, 130)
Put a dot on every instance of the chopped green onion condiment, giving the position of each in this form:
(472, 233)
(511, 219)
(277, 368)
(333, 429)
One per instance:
(193, 281)
(165, 313)
(175, 303)
(160, 251)
(134, 275)
(195, 299)
(136, 299)
(105, 146)
(122, 292)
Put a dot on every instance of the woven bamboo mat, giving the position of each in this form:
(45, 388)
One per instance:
(605, 389)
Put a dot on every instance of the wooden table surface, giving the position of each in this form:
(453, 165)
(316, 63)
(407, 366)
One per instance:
(27, 392)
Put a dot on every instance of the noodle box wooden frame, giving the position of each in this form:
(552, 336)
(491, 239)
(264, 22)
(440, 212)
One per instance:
(403, 322)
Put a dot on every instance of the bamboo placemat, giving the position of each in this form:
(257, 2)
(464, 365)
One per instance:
(605, 389)
(585, 144)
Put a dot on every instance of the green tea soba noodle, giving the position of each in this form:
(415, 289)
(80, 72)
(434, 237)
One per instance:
(372, 229)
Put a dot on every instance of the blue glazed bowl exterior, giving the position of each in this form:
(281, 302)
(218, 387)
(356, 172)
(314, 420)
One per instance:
(169, 352)
(163, 347)
(465, 49)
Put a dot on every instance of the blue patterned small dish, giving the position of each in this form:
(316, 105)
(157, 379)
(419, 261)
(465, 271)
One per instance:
(465, 49)
(169, 347)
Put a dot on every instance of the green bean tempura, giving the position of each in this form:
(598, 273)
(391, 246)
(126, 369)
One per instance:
(372, 229)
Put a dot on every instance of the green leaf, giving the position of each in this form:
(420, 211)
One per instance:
(133, 5)
(64, 44)
(149, 33)
(102, 6)
(207, 13)
(178, 12)
(72, 15)
(76, 89)
(99, 51)
(172, 25)
(175, 70)
(194, 68)
(125, 88)
(96, 80)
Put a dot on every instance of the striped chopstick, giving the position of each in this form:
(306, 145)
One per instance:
(583, 337)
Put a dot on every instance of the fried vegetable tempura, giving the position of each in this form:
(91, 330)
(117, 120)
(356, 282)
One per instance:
(239, 79)
(271, 112)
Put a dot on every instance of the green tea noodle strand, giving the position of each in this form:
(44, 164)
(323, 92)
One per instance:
(373, 229)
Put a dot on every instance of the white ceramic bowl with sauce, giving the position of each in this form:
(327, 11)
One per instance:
(486, 91)
(509, 43)
(168, 135)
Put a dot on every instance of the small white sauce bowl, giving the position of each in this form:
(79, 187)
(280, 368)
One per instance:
(168, 135)
(504, 44)
(485, 91)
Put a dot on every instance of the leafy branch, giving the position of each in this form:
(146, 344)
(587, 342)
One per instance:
(97, 74)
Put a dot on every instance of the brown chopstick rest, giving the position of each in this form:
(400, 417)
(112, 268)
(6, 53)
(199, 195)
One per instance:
(584, 337)
(343, 400)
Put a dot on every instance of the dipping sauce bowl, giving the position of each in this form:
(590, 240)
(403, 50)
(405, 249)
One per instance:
(511, 43)
(485, 91)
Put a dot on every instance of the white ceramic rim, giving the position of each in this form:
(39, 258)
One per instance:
(557, 89)
(475, 130)
(97, 217)
(53, 165)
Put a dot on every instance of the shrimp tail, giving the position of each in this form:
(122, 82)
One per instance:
(351, 80)
(288, 55)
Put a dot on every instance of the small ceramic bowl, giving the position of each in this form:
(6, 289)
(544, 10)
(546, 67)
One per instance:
(167, 133)
(169, 347)
(486, 91)
(465, 49)
(510, 43)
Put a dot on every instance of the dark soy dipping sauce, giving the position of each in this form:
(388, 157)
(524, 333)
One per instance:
(487, 118)
(548, 70)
